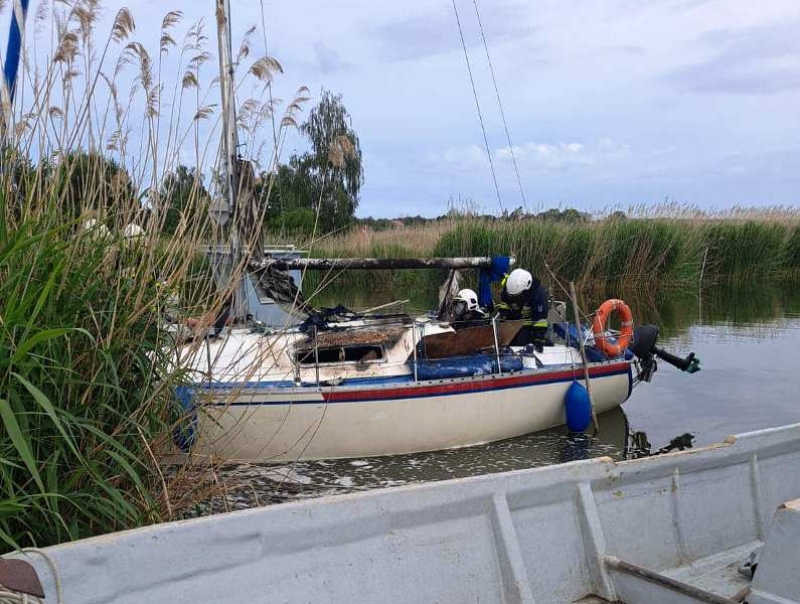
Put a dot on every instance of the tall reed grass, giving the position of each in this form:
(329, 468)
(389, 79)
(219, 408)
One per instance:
(87, 371)
(640, 252)
(668, 247)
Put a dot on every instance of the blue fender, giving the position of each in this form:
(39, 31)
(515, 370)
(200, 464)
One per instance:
(578, 407)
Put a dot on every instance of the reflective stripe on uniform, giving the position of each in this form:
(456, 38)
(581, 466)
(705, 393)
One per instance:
(542, 323)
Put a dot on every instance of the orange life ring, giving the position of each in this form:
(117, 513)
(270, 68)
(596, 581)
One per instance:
(599, 327)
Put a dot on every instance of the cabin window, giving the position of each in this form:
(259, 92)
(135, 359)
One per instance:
(342, 354)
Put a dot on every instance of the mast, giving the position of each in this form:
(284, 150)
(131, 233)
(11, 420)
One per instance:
(239, 308)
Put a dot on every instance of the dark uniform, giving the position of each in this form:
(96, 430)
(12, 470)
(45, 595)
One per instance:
(530, 306)
(471, 318)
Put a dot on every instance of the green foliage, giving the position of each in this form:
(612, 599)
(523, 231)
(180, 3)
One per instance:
(569, 215)
(185, 198)
(90, 183)
(793, 249)
(299, 221)
(81, 401)
(325, 180)
(86, 366)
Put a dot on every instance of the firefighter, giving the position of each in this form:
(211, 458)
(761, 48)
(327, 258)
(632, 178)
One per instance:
(465, 310)
(524, 297)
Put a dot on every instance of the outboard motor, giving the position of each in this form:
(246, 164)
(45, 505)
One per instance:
(644, 347)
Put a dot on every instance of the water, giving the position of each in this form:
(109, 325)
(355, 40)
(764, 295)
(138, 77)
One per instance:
(748, 341)
(749, 344)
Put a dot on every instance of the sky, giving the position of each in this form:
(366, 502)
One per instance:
(609, 103)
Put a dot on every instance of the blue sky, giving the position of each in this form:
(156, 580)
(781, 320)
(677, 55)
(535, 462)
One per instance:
(609, 103)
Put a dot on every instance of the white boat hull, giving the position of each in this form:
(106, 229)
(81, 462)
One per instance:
(271, 423)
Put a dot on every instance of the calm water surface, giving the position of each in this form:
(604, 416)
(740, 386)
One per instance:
(748, 341)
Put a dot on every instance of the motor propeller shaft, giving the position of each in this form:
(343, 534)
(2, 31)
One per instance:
(644, 347)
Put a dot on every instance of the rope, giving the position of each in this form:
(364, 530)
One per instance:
(478, 106)
(500, 104)
(14, 597)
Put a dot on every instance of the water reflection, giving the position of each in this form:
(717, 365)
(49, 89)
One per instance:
(254, 484)
(760, 311)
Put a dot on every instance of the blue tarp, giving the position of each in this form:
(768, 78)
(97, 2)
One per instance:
(466, 366)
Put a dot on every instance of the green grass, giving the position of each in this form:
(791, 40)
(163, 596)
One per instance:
(80, 397)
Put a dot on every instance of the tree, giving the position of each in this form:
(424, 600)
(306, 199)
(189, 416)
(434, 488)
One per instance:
(330, 175)
(19, 181)
(92, 182)
(182, 194)
(568, 215)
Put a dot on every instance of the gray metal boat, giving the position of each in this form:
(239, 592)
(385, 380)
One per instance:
(719, 524)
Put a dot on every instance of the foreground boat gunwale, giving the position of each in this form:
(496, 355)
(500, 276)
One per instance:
(299, 550)
(564, 473)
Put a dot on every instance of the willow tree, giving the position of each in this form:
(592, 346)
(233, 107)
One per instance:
(326, 179)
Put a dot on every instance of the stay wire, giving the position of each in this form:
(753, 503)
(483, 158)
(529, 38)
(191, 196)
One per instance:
(478, 106)
(500, 104)
(269, 84)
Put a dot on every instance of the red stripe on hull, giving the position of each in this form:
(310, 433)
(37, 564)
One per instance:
(468, 385)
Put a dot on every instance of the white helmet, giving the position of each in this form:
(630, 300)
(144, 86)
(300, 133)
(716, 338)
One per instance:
(518, 281)
(468, 296)
(98, 230)
(133, 232)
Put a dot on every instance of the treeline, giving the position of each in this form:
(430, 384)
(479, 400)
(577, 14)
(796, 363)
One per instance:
(569, 215)
(312, 192)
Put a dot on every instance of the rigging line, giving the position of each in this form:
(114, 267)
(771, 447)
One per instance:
(500, 104)
(478, 106)
(269, 84)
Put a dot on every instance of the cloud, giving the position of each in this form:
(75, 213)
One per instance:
(535, 156)
(671, 6)
(327, 60)
(466, 157)
(436, 33)
(628, 49)
(560, 157)
(756, 60)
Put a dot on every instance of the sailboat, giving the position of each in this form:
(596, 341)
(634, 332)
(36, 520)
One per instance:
(299, 384)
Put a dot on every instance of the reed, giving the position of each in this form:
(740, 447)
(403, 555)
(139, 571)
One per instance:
(663, 247)
(642, 252)
(87, 374)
